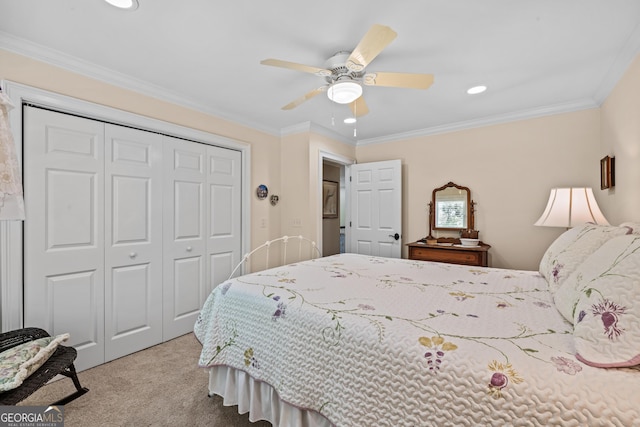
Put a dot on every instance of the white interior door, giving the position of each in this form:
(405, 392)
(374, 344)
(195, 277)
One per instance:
(184, 235)
(224, 215)
(63, 166)
(376, 208)
(133, 234)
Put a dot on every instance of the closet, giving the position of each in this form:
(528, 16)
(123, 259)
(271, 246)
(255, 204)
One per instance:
(127, 231)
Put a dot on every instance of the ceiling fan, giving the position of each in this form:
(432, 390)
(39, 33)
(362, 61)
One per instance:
(345, 72)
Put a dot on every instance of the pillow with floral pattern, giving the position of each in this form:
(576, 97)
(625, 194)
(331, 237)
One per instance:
(19, 362)
(571, 248)
(606, 311)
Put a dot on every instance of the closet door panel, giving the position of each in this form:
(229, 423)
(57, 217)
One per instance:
(184, 235)
(63, 166)
(72, 297)
(133, 234)
(70, 192)
(131, 194)
(188, 277)
(224, 215)
(131, 286)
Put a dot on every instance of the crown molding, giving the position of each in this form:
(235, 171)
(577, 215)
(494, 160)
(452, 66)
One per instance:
(73, 64)
(317, 129)
(486, 121)
(70, 63)
(619, 66)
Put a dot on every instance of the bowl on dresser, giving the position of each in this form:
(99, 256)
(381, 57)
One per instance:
(469, 242)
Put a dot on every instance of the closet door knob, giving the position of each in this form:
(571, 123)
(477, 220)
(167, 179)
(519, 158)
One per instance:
(189, 248)
(133, 255)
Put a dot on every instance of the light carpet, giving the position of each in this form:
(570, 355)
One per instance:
(159, 386)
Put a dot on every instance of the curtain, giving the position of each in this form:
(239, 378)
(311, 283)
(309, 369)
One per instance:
(11, 200)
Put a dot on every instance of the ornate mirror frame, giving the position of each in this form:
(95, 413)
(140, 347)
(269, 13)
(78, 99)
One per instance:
(468, 210)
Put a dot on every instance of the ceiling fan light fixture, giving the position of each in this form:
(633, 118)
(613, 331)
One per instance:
(124, 4)
(476, 90)
(344, 92)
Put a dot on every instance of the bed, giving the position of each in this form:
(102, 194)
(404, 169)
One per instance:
(354, 340)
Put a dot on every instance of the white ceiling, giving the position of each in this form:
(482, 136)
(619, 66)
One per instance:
(536, 56)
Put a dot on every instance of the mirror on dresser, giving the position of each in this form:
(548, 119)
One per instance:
(451, 213)
(451, 209)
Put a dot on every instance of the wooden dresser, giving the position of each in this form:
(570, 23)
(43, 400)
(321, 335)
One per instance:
(450, 253)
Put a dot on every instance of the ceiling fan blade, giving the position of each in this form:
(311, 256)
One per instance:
(295, 66)
(376, 39)
(409, 80)
(359, 107)
(306, 97)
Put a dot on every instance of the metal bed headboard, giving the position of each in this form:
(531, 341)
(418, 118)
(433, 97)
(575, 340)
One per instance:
(307, 249)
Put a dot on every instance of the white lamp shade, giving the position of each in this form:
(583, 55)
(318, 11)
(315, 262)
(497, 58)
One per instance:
(569, 207)
(344, 92)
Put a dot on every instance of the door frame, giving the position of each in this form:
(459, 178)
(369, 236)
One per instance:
(11, 238)
(343, 161)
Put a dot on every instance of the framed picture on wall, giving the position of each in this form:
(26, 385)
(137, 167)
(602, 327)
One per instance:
(330, 199)
(607, 172)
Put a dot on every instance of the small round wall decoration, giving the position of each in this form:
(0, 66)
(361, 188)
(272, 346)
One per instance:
(262, 191)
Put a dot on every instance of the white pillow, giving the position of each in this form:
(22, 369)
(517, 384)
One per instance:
(567, 295)
(602, 299)
(571, 248)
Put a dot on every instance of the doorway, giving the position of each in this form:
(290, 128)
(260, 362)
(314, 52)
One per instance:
(333, 208)
(333, 233)
(370, 197)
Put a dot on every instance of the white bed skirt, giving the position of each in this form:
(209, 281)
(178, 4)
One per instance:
(259, 399)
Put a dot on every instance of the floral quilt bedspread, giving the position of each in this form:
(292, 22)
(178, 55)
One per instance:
(389, 342)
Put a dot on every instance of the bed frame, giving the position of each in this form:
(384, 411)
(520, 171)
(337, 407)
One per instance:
(306, 249)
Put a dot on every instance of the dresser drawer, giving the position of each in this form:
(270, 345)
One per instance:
(448, 255)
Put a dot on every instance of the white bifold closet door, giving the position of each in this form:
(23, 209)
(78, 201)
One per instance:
(133, 240)
(127, 233)
(93, 241)
(202, 227)
(185, 244)
(64, 244)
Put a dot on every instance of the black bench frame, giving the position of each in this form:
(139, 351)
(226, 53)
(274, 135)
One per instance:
(60, 363)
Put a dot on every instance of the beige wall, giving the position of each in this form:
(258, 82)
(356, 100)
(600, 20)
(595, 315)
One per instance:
(265, 148)
(621, 138)
(301, 175)
(296, 216)
(509, 168)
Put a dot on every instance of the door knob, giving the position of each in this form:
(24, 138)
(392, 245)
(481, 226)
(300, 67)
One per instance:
(189, 248)
(395, 236)
(133, 255)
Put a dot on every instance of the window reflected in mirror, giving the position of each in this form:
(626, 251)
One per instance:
(451, 208)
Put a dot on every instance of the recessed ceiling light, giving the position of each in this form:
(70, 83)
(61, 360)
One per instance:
(476, 90)
(124, 4)
(349, 120)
